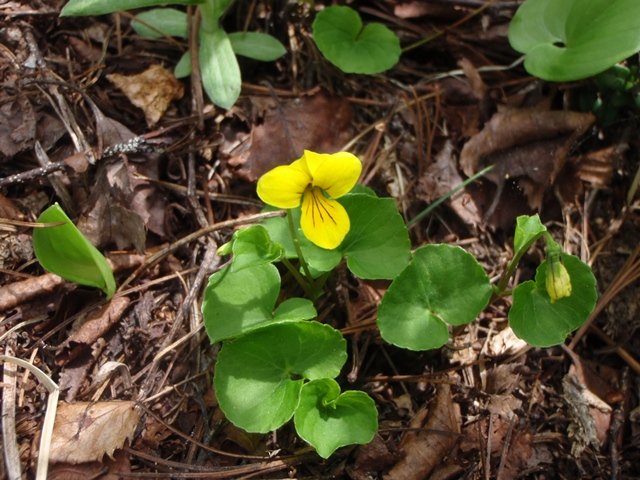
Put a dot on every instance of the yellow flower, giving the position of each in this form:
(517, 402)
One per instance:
(558, 281)
(323, 220)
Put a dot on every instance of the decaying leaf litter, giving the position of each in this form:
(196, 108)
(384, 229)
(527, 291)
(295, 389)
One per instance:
(91, 117)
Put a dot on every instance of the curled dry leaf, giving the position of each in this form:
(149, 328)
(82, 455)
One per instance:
(530, 143)
(86, 431)
(152, 90)
(425, 449)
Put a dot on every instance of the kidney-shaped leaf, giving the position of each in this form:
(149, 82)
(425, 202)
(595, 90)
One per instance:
(101, 7)
(541, 323)
(442, 284)
(259, 376)
(568, 40)
(328, 420)
(340, 37)
(65, 251)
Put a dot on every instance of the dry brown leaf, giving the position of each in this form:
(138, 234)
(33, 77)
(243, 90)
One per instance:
(583, 427)
(86, 431)
(597, 167)
(524, 142)
(319, 123)
(17, 126)
(425, 449)
(120, 464)
(93, 328)
(152, 90)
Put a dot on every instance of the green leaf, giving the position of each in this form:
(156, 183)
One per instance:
(528, 230)
(253, 246)
(328, 420)
(170, 21)
(258, 46)
(211, 11)
(377, 245)
(236, 302)
(259, 376)
(65, 251)
(442, 284)
(567, 40)
(183, 67)
(295, 309)
(219, 68)
(541, 323)
(340, 37)
(101, 7)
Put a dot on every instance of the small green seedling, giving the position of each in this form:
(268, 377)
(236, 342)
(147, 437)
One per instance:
(341, 38)
(217, 51)
(566, 40)
(65, 251)
(278, 363)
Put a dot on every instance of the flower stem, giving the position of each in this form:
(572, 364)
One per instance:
(296, 274)
(303, 262)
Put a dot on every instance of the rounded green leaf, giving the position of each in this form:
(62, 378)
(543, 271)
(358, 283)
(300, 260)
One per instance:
(236, 302)
(221, 77)
(101, 7)
(541, 323)
(258, 46)
(258, 377)
(328, 420)
(340, 37)
(528, 230)
(442, 284)
(170, 21)
(568, 40)
(65, 251)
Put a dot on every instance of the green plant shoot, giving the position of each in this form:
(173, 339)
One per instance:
(217, 50)
(65, 251)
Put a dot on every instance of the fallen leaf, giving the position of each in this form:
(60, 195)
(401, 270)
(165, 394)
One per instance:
(525, 142)
(319, 123)
(17, 126)
(86, 431)
(120, 464)
(597, 167)
(582, 429)
(94, 327)
(425, 449)
(152, 90)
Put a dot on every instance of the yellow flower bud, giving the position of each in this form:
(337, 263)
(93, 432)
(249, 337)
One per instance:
(558, 281)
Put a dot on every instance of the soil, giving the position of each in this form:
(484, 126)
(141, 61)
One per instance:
(151, 174)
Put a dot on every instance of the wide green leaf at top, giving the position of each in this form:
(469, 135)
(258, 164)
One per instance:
(259, 376)
(221, 78)
(101, 7)
(442, 285)
(339, 34)
(568, 40)
(65, 251)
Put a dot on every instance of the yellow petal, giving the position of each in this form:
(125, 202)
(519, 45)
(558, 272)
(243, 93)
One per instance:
(324, 222)
(283, 186)
(335, 173)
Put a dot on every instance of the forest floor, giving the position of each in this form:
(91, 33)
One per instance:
(139, 367)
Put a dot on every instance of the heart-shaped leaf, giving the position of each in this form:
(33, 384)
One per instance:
(541, 323)
(259, 376)
(65, 251)
(568, 40)
(101, 7)
(340, 37)
(236, 302)
(328, 420)
(442, 284)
